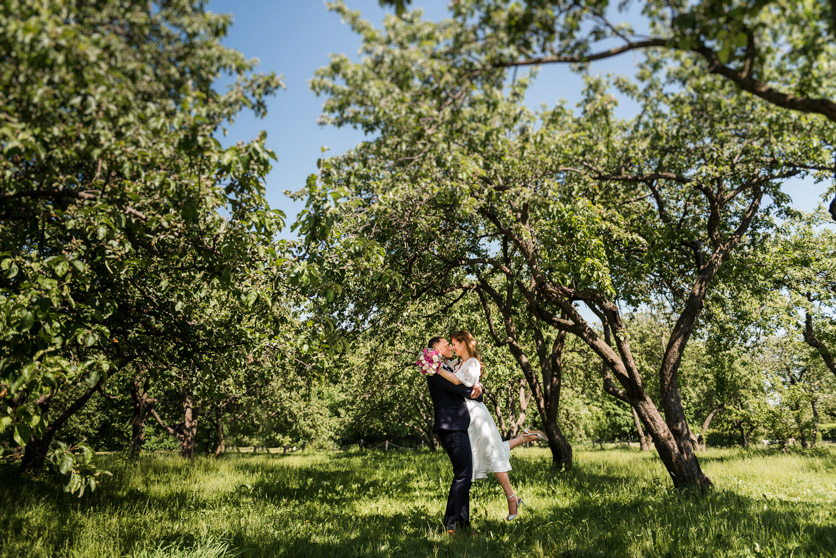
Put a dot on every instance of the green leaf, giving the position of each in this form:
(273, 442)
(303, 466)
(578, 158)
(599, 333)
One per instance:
(22, 433)
(92, 379)
(66, 464)
(61, 268)
(27, 320)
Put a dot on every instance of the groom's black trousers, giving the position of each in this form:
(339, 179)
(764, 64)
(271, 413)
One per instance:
(457, 445)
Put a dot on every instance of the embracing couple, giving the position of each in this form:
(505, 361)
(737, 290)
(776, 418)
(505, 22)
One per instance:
(466, 429)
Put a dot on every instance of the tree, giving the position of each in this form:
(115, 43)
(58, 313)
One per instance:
(805, 270)
(462, 187)
(113, 244)
(741, 41)
(799, 383)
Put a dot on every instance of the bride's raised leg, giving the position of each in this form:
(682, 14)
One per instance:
(527, 436)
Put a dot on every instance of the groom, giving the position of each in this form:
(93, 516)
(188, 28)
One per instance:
(451, 422)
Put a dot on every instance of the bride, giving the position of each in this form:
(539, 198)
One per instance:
(490, 453)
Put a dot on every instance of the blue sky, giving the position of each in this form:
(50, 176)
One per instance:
(295, 37)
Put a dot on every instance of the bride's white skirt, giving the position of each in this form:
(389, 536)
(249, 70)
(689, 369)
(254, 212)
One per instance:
(490, 453)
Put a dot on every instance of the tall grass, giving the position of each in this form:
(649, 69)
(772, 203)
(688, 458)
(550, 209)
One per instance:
(614, 503)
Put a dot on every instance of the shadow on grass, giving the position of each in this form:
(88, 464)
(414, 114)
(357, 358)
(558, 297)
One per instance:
(576, 531)
(332, 508)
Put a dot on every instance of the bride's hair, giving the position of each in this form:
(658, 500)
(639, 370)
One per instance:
(469, 341)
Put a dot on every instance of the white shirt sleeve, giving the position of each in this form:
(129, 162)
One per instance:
(469, 372)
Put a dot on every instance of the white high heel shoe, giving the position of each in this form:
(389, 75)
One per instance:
(520, 502)
(540, 435)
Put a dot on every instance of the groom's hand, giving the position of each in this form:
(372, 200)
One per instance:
(476, 391)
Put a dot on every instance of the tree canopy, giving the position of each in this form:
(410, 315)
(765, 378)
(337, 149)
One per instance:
(129, 233)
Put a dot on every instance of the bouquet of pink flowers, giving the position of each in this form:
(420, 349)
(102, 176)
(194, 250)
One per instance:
(429, 361)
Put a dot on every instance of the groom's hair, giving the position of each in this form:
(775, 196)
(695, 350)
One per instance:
(432, 342)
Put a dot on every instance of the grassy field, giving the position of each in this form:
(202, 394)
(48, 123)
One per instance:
(614, 503)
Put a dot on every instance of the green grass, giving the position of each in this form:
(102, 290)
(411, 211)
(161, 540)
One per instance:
(614, 503)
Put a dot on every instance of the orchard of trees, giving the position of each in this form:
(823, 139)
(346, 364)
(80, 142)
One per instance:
(641, 278)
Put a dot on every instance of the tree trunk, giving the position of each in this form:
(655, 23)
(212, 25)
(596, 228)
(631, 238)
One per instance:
(681, 462)
(187, 441)
(744, 436)
(671, 434)
(675, 451)
(139, 395)
(643, 443)
(700, 442)
(186, 431)
(498, 414)
(34, 456)
(427, 421)
(547, 397)
(516, 395)
(815, 415)
(799, 424)
(811, 339)
(220, 446)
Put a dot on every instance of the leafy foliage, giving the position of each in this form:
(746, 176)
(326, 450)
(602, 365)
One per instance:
(129, 233)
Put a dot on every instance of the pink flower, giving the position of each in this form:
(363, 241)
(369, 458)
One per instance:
(429, 361)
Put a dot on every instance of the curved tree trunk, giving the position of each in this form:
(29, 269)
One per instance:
(186, 431)
(681, 462)
(547, 408)
(139, 395)
(699, 443)
(811, 339)
(34, 456)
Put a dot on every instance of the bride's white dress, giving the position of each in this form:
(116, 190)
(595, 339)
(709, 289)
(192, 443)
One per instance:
(490, 453)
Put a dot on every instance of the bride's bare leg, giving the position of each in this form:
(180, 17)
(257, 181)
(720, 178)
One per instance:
(505, 483)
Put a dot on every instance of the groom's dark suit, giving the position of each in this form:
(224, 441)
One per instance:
(451, 422)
